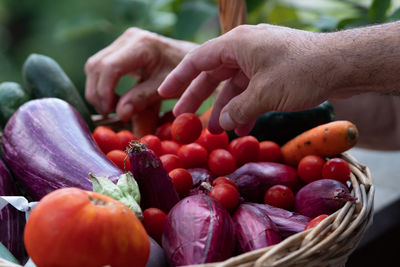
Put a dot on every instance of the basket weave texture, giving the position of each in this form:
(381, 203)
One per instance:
(328, 244)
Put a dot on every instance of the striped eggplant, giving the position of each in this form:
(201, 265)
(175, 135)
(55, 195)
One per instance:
(47, 145)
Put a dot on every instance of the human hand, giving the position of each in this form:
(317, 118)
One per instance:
(142, 54)
(266, 67)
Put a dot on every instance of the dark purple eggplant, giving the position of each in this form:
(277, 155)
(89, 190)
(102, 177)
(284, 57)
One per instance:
(157, 257)
(254, 178)
(47, 145)
(198, 230)
(288, 222)
(12, 221)
(155, 186)
(323, 196)
(254, 229)
(200, 175)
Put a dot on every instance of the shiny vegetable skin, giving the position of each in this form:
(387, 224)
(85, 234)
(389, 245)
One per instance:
(254, 178)
(325, 140)
(323, 196)
(288, 222)
(47, 145)
(157, 257)
(254, 229)
(200, 175)
(155, 186)
(12, 221)
(198, 230)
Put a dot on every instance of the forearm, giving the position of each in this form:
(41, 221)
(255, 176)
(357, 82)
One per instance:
(376, 116)
(363, 60)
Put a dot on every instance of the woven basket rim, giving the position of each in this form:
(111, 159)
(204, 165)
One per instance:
(328, 244)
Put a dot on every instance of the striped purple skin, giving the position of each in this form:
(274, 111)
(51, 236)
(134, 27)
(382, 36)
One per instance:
(47, 145)
(198, 230)
(12, 221)
(254, 229)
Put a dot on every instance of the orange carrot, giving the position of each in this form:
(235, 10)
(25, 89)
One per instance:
(325, 140)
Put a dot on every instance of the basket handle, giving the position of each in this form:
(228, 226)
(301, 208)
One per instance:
(231, 14)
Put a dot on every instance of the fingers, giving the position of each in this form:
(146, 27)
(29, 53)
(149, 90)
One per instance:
(138, 99)
(236, 85)
(210, 56)
(201, 88)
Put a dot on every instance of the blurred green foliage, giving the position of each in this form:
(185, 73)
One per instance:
(71, 31)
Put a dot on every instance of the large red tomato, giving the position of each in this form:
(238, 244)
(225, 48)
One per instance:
(74, 227)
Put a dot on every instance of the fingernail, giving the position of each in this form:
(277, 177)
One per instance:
(226, 121)
(126, 111)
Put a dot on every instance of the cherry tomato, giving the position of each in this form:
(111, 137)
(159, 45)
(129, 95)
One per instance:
(336, 169)
(193, 155)
(224, 180)
(269, 152)
(125, 137)
(164, 131)
(169, 147)
(213, 141)
(186, 128)
(153, 222)
(171, 161)
(279, 196)
(244, 149)
(310, 168)
(221, 162)
(225, 194)
(84, 223)
(314, 222)
(106, 139)
(119, 158)
(152, 142)
(182, 180)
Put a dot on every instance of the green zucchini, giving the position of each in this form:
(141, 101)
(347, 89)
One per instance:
(280, 127)
(12, 95)
(44, 77)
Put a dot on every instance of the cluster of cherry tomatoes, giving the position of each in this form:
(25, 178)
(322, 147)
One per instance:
(182, 143)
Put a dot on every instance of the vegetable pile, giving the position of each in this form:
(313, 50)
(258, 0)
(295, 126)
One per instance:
(178, 196)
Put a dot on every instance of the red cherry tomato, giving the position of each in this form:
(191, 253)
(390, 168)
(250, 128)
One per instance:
(106, 139)
(182, 180)
(213, 141)
(225, 194)
(186, 128)
(153, 222)
(125, 137)
(269, 152)
(314, 222)
(310, 168)
(221, 162)
(171, 161)
(336, 169)
(279, 196)
(152, 142)
(119, 158)
(193, 155)
(164, 131)
(244, 149)
(224, 180)
(169, 147)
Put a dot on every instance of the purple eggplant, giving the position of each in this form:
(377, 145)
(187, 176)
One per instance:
(254, 229)
(198, 230)
(288, 222)
(12, 221)
(155, 186)
(47, 145)
(254, 178)
(323, 196)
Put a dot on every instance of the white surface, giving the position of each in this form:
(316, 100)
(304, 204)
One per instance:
(385, 171)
